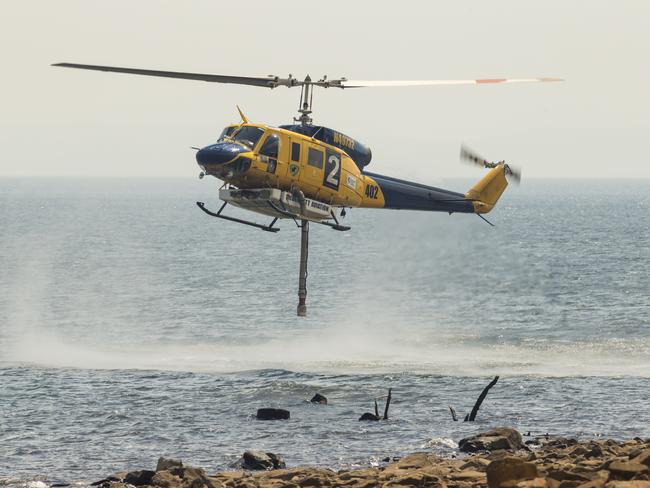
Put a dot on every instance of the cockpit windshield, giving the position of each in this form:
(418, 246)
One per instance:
(248, 136)
(227, 132)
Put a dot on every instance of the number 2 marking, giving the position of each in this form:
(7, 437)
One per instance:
(333, 176)
(332, 171)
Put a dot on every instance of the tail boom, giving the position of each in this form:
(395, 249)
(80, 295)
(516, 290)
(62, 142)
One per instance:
(388, 192)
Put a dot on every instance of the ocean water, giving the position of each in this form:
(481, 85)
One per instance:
(132, 325)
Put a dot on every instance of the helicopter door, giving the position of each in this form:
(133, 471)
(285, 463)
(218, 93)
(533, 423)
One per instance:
(313, 171)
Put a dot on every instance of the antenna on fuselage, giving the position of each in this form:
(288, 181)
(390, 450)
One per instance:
(243, 117)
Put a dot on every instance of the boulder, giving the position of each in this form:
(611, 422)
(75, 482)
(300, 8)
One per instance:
(165, 479)
(139, 478)
(257, 460)
(564, 473)
(593, 484)
(318, 398)
(509, 471)
(168, 463)
(477, 463)
(499, 438)
(272, 414)
(643, 458)
(626, 471)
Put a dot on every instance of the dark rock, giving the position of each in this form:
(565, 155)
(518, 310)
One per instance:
(257, 460)
(272, 414)
(139, 478)
(168, 463)
(499, 438)
(318, 398)
(509, 469)
(369, 416)
(596, 451)
(278, 462)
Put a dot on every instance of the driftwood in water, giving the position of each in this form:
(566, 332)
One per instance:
(453, 413)
(375, 416)
(470, 417)
(387, 404)
(481, 397)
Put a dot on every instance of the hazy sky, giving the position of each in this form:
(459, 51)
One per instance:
(65, 122)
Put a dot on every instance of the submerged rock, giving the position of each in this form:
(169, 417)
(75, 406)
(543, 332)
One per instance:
(273, 414)
(369, 416)
(318, 398)
(492, 440)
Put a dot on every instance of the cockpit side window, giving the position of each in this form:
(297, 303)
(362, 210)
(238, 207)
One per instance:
(248, 136)
(270, 146)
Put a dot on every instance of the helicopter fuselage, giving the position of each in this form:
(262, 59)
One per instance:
(259, 156)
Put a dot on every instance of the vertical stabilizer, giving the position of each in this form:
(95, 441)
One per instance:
(485, 194)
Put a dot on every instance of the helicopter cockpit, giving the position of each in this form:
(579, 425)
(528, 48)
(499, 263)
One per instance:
(226, 158)
(246, 135)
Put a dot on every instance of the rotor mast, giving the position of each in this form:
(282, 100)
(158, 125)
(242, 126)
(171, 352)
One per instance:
(306, 99)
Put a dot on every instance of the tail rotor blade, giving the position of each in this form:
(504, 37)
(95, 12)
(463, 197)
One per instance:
(471, 157)
(514, 173)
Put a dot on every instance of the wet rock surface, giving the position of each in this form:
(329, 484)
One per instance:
(551, 463)
(318, 398)
(492, 440)
(272, 414)
(257, 460)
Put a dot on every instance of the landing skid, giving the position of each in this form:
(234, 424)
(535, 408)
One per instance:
(270, 228)
(267, 228)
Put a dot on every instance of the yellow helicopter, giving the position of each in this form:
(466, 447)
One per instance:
(308, 173)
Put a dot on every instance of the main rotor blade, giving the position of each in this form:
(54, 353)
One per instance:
(484, 81)
(266, 82)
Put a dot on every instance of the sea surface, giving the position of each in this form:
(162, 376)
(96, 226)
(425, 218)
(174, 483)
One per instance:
(134, 326)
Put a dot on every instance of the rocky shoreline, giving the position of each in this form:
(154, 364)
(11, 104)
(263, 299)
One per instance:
(495, 459)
